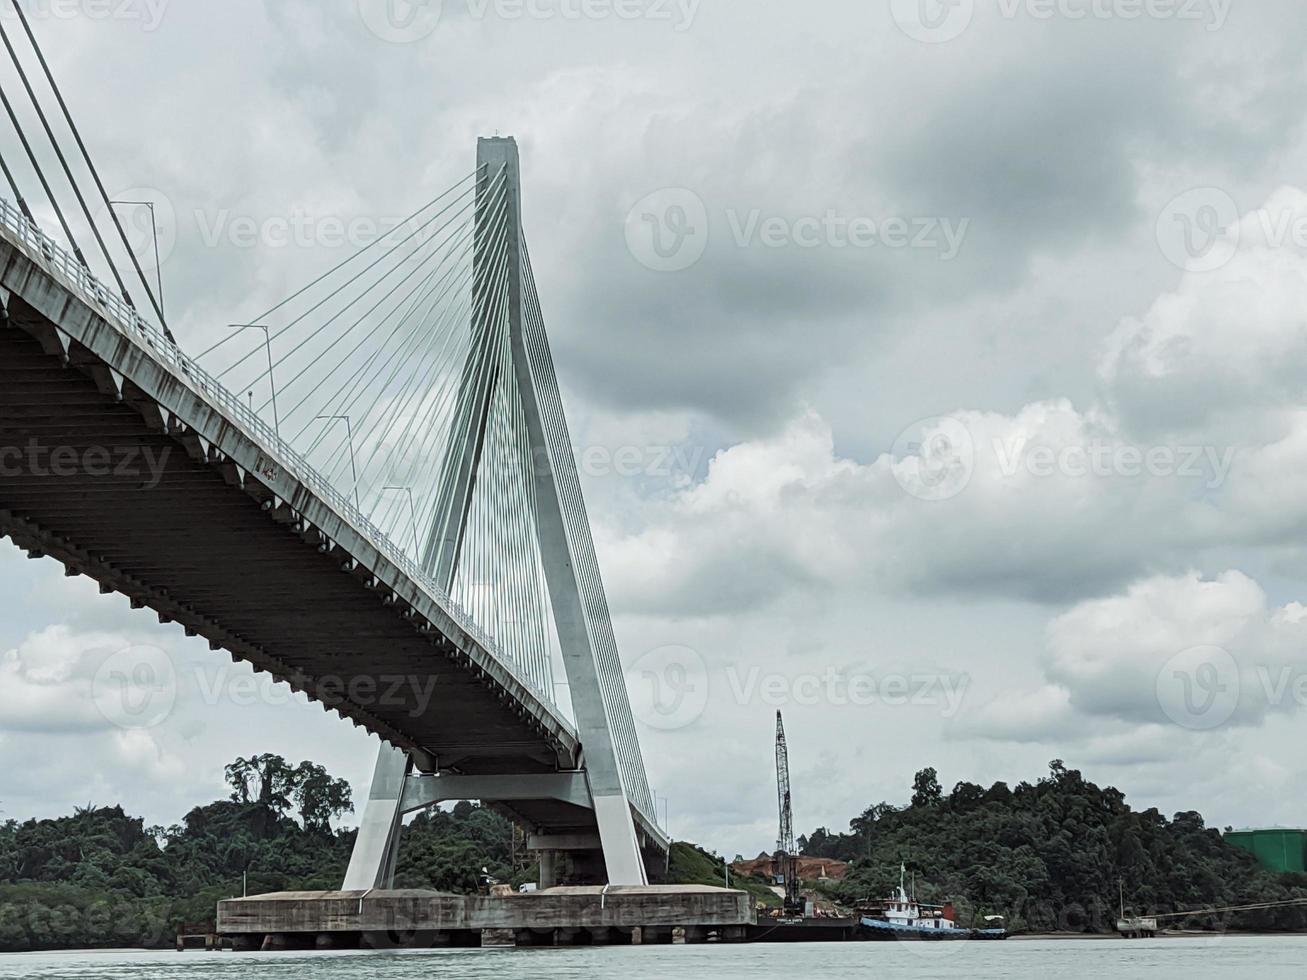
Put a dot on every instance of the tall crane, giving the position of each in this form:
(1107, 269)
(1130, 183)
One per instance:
(787, 861)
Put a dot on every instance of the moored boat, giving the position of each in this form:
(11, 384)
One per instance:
(902, 917)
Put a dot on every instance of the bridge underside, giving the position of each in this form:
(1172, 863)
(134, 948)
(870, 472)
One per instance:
(124, 475)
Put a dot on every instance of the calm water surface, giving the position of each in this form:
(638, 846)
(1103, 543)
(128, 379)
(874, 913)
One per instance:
(1226, 958)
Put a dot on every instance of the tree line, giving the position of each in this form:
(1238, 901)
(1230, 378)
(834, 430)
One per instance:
(1054, 855)
(1059, 854)
(103, 879)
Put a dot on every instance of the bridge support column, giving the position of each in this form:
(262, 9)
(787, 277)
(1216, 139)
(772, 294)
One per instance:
(548, 870)
(376, 851)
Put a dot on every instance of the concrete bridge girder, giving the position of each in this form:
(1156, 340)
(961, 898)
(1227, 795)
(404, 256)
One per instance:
(129, 375)
(424, 791)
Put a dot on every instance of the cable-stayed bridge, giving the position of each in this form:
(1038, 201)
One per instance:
(364, 491)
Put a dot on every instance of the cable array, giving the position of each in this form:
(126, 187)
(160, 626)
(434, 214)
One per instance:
(104, 227)
(617, 701)
(393, 375)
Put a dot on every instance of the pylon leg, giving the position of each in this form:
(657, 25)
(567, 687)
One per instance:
(372, 864)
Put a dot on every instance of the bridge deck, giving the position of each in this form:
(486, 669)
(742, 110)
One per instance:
(235, 544)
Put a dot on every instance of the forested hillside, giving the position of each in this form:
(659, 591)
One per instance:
(1049, 855)
(1052, 856)
(102, 878)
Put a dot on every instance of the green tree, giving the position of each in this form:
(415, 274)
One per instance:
(320, 797)
(267, 780)
(926, 790)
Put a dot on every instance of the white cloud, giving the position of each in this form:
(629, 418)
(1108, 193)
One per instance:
(1042, 715)
(1055, 504)
(1113, 655)
(1230, 340)
(1147, 670)
(47, 682)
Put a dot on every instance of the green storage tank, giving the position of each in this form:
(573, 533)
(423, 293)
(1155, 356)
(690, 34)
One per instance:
(1277, 849)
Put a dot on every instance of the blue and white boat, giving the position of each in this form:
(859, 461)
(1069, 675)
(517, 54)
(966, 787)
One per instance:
(903, 917)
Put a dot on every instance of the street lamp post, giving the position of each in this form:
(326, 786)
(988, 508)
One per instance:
(349, 435)
(413, 517)
(272, 381)
(658, 797)
(154, 228)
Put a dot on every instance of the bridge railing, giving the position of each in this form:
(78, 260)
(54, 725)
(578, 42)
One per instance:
(124, 318)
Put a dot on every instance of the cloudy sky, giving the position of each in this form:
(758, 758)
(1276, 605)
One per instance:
(956, 350)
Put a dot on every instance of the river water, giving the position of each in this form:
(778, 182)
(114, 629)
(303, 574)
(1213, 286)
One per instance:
(1217, 958)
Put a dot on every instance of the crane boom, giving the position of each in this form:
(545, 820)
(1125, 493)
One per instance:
(785, 838)
(787, 861)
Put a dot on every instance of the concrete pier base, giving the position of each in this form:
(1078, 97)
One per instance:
(632, 915)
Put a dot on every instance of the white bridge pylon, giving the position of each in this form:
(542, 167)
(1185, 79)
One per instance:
(508, 428)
